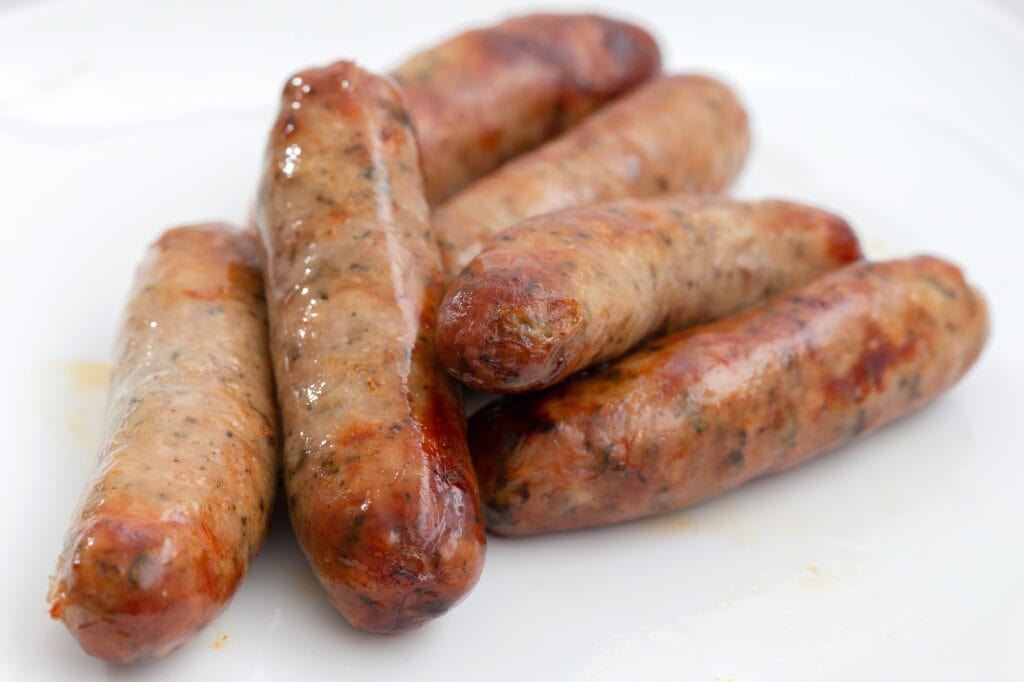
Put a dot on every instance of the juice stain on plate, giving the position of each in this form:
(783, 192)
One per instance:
(671, 523)
(86, 375)
(699, 520)
(48, 84)
(812, 579)
(220, 642)
(876, 247)
(72, 396)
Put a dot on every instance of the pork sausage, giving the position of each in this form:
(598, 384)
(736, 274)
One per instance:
(559, 292)
(181, 497)
(489, 94)
(701, 412)
(380, 485)
(671, 135)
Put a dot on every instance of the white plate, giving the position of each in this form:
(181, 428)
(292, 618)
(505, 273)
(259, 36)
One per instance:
(898, 557)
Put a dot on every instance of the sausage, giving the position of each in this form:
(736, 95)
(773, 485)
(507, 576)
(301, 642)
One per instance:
(180, 499)
(559, 292)
(489, 94)
(673, 134)
(380, 485)
(701, 412)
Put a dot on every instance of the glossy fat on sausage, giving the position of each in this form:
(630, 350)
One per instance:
(674, 134)
(701, 412)
(380, 485)
(181, 497)
(489, 94)
(559, 292)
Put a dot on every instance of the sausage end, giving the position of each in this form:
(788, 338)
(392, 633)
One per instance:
(130, 589)
(508, 329)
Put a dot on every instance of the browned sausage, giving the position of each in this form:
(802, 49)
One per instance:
(562, 291)
(487, 95)
(380, 485)
(180, 499)
(674, 134)
(708, 409)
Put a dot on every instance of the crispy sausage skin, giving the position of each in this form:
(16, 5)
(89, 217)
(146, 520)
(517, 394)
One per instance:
(701, 412)
(181, 496)
(489, 94)
(673, 134)
(380, 485)
(559, 292)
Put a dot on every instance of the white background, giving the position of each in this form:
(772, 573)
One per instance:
(897, 557)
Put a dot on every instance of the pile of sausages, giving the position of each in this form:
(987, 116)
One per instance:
(530, 208)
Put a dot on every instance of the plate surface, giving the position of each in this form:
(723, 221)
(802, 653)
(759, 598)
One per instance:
(897, 557)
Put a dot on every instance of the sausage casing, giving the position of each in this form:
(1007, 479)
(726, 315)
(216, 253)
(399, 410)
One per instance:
(701, 412)
(380, 486)
(673, 134)
(489, 94)
(565, 290)
(181, 497)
